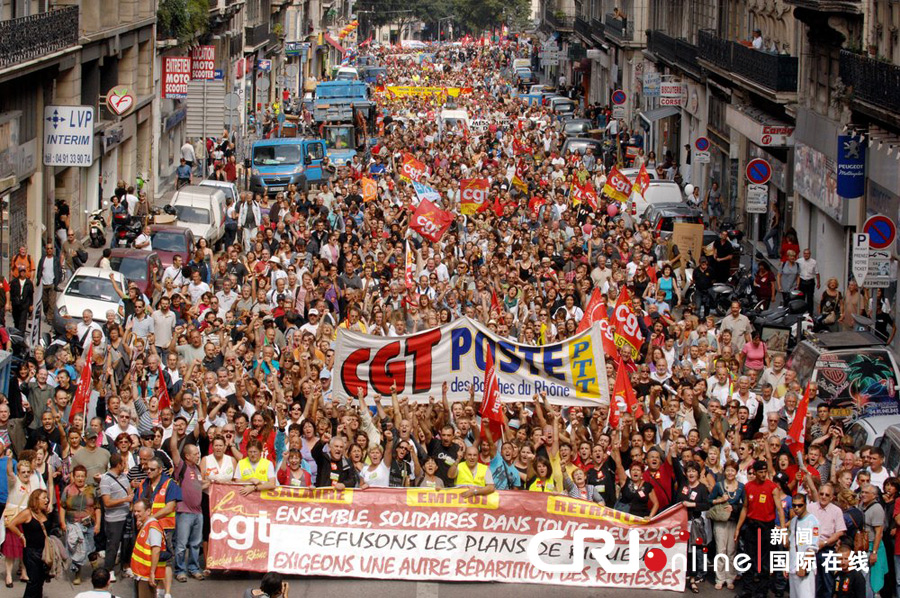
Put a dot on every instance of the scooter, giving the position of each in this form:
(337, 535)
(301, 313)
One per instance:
(98, 228)
(738, 288)
(125, 229)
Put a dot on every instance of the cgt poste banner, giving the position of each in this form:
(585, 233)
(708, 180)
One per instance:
(427, 534)
(572, 372)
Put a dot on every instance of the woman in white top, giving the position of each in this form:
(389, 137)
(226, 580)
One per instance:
(217, 467)
(20, 488)
(376, 474)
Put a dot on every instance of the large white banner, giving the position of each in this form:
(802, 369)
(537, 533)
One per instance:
(572, 372)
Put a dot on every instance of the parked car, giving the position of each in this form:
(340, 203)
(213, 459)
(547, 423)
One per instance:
(581, 145)
(856, 372)
(136, 265)
(663, 216)
(561, 105)
(658, 192)
(525, 77)
(169, 241)
(577, 127)
(869, 430)
(89, 288)
(230, 189)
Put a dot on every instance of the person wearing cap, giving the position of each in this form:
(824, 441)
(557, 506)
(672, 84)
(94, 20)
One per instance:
(761, 509)
(21, 295)
(94, 459)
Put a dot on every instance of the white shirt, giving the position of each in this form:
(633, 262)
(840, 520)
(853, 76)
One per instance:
(809, 269)
(131, 201)
(226, 300)
(187, 152)
(176, 276)
(196, 291)
(139, 242)
(750, 402)
(114, 431)
(215, 471)
(758, 43)
(377, 478)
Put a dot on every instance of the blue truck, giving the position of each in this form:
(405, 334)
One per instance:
(345, 115)
(277, 163)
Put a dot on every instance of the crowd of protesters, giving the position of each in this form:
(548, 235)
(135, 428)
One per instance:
(225, 373)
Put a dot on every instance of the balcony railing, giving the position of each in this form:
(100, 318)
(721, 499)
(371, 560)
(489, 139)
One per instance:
(582, 28)
(559, 21)
(873, 81)
(678, 51)
(254, 36)
(618, 28)
(31, 37)
(662, 45)
(597, 29)
(777, 72)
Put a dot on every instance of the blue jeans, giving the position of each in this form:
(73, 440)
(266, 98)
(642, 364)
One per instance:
(188, 536)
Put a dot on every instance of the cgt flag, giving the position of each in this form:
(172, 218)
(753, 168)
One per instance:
(369, 189)
(797, 433)
(584, 193)
(596, 312)
(624, 391)
(617, 186)
(412, 169)
(628, 331)
(83, 392)
(430, 221)
(473, 195)
(641, 182)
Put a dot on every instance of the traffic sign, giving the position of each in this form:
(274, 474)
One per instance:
(619, 97)
(264, 65)
(701, 144)
(860, 257)
(701, 157)
(757, 199)
(759, 171)
(231, 101)
(881, 230)
(618, 111)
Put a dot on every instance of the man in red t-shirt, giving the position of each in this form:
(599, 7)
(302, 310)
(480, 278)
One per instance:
(661, 476)
(762, 499)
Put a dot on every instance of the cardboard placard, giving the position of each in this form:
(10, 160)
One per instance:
(688, 237)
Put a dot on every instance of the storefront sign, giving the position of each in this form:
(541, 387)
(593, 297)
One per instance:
(176, 75)
(570, 372)
(68, 135)
(652, 82)
(759, 127)
(203, 63)
(851, 167)
(671, 94)
(426, 534)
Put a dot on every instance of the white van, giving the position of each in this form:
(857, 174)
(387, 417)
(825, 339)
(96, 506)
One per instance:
(347, 73)
(230, 189)
(451, 119)
(201, 208)
(521, 63)
(658, 191)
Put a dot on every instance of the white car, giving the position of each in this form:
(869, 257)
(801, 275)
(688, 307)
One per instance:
(89, 288)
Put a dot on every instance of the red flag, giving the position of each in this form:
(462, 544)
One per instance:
(491, 408)
(495, 302)
(641, 182)
(617, 186)
(83, 392)
(163, 390)
(412, 169)
(520, 148)
(614, 413)
(592, 311)
(624, 389)
(473, 195)
(430, 221)
(628, 331)
(797, 433)
(535, 203)
(584, 193)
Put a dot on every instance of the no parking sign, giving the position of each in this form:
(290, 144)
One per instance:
(701, 150)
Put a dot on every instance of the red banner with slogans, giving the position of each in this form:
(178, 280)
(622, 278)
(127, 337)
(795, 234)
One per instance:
(413, 169)
(617, 186)
(430, 221)
(426, 534)
(473, 195)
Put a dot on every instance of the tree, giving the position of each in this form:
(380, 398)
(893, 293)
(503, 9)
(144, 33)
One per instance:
(182, 19)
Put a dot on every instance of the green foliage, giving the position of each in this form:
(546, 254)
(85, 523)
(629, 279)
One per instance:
(471, 16)
(182, 19)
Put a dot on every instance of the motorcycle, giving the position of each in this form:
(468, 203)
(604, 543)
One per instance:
(97, 226)
(125, 229)
(738, 288)
(791, 315)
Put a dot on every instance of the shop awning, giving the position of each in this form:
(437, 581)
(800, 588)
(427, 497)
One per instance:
(335, 44)
(651, 116)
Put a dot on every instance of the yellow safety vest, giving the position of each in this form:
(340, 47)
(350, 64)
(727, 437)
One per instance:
(465, 477)
(248, 471)
(541, 486)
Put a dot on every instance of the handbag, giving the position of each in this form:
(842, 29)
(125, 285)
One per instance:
(719, 512)
(48, 555)
(831, 318)
(698, 532)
